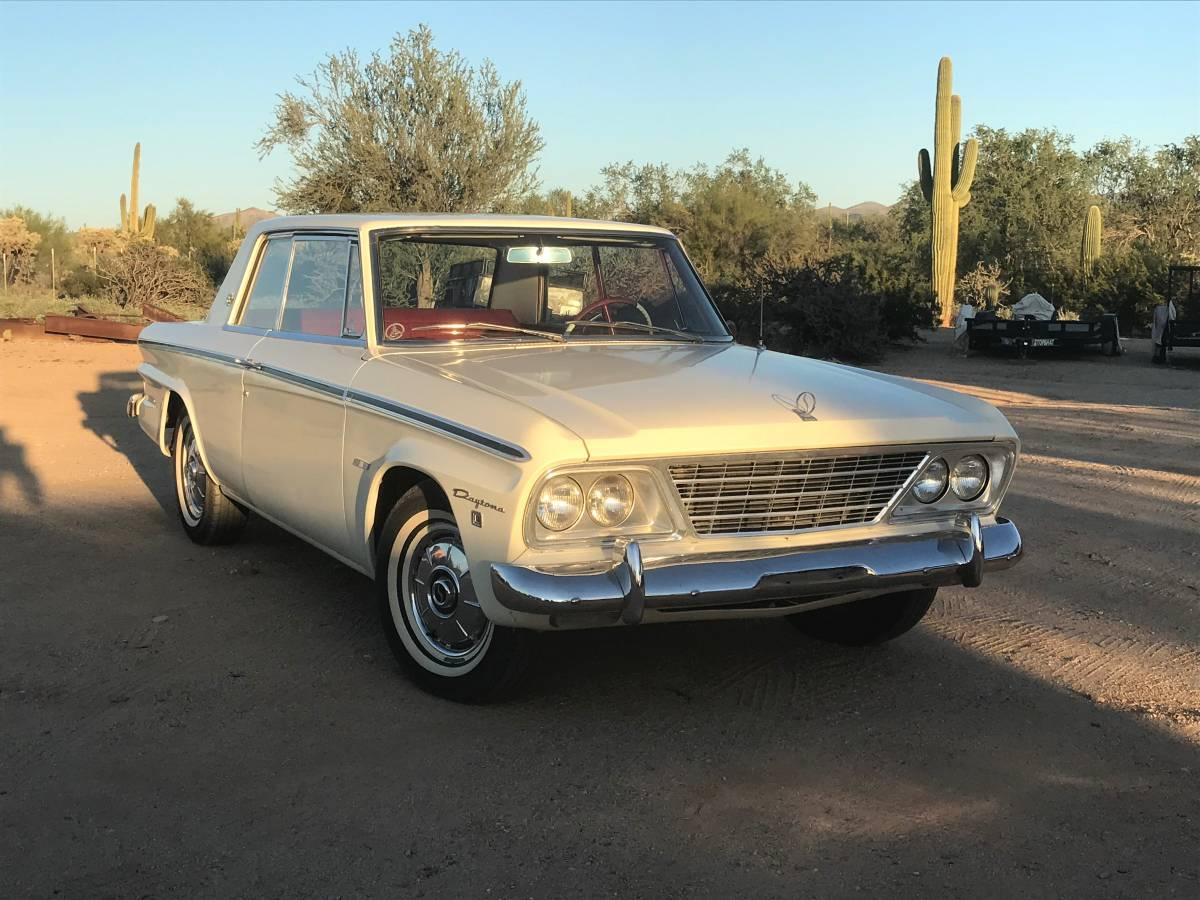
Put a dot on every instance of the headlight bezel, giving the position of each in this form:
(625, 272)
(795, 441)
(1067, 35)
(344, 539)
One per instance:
(999, 457)
(652, 514)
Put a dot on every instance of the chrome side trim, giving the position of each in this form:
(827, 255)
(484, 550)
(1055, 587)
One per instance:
(957, 555)
(305, 338)
(246, 329)
(198, 352)
(313, 384)
(369, 402)
(383, 406)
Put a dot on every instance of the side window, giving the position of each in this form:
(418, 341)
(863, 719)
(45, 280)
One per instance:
(316, 288)
(356, 320)
(261, 308)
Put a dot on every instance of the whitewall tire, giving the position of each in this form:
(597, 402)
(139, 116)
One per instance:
(208, 516)
(431, 616)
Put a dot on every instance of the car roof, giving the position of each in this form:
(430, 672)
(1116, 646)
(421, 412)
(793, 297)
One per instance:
(450, 222)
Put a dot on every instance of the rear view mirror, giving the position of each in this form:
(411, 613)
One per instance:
(539, 256)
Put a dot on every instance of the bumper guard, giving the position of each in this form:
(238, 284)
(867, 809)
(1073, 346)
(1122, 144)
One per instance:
(959, 555)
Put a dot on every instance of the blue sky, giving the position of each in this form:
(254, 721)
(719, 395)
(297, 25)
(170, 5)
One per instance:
(839, 96)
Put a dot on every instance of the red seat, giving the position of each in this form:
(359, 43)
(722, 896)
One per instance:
(327, 322)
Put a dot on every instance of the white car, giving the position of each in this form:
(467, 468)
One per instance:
(525, 423)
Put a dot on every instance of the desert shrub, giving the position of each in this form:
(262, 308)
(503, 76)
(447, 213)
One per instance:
(1129, 284)
(825, 308)
(81, 283)
(147, 273)
(92, 243)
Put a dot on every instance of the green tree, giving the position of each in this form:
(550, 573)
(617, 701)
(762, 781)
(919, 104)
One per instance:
(1153, 199)
(729, 216)
(742, 212)
(415, 128)
(557, 202)
(1029, 197)
(197, 237)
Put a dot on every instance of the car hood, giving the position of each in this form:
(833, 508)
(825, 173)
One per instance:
(644, 401)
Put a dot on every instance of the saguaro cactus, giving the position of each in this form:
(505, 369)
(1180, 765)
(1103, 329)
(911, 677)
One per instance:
(946, 185)
(131, 222)
(1089, 252)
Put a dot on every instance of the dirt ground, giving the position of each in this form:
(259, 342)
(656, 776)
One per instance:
(177, 721)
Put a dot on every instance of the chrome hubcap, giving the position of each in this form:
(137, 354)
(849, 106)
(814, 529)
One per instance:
(195, 478)
(448, 619)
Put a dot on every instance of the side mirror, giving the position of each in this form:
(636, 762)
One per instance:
(732, 326)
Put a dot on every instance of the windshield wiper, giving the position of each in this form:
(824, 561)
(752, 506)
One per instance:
(640, 326)
(490, 326)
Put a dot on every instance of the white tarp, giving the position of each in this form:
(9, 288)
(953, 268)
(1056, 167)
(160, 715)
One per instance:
(1163, 313)
(1034, 305)
(965, 312)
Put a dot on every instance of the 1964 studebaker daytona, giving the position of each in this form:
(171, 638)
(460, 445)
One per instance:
(517, 423)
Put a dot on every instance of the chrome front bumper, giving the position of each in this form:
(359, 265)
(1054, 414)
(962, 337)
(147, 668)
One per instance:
(958, 555)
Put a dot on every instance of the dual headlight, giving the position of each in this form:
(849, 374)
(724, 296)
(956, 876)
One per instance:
(598, 502)
(966, 479)
(609, 501)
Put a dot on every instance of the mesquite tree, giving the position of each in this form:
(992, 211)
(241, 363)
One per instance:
(411, 129)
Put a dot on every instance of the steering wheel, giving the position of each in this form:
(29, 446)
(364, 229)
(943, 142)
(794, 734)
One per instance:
(593, 311)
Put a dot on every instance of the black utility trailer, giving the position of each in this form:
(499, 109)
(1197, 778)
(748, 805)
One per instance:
(1183, 289)
(1023, 335)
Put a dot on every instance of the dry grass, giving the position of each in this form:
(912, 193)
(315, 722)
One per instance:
(37, 303)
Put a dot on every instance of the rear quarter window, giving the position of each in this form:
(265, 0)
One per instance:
(261, 309)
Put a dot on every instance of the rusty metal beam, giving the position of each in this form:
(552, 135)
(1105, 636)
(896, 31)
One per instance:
(96, 328)
(158, 314)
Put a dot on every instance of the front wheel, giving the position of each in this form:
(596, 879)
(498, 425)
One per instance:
(208, 516)
(870, 621)
(433, 621)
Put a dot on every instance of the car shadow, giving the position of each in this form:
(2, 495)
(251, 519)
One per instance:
(104, 415)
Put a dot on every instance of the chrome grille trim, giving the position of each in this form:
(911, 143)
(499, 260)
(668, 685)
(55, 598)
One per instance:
(799, 493)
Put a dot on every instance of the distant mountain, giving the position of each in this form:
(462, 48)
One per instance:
(855, 213)
(246, 217)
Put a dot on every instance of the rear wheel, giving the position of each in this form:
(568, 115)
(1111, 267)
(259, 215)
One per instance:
(432, 618)
(870, 621)
(208, 516)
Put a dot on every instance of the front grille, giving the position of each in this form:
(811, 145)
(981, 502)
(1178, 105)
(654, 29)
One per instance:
(765, 495)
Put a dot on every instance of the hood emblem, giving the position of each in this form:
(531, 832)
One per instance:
(803, 405)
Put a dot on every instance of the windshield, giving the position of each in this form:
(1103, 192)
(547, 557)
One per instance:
(513, 287)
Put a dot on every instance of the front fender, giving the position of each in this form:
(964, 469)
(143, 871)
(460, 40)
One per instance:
(471, 480)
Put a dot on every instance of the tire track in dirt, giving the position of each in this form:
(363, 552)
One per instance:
(1108, 662)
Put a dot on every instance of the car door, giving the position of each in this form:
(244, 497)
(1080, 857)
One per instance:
(215, 374)
(293, 412)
